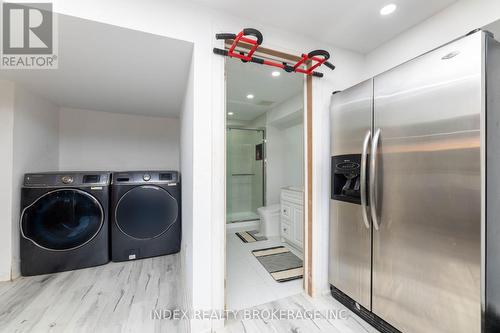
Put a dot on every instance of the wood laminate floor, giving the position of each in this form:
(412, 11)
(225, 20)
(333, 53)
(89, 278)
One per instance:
(117, 297)
(322, 310)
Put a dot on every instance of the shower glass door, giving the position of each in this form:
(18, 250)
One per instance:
(245, 174)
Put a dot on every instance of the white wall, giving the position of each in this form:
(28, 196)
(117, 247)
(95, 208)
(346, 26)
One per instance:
(94, 140)
(36, 149)
(294, 158)
(284, 146)
(6, 166)
(236, 123)
(276, 157)
(186, 165)
(287, 111)
(453, 22)
(288, 118)
(29, 142)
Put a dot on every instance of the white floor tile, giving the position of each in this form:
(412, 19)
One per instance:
(248, 284)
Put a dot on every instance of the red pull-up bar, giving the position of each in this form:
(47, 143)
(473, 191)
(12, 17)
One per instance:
(316, 57)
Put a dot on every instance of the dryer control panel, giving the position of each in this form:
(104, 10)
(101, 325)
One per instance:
(144, 177)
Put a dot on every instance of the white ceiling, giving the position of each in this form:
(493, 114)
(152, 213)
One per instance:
(249, 78)
(107, 68)
(351, 24)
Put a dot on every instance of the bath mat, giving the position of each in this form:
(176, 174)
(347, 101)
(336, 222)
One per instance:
(250, 236)
(281, 263)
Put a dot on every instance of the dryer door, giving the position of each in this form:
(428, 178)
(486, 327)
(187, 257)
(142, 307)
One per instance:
(62, 220)
(146, 212)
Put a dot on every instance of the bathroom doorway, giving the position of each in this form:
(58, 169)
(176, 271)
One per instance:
(245, 169)
(265, 184)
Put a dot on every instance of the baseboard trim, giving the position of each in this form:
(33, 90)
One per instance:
(15, 271)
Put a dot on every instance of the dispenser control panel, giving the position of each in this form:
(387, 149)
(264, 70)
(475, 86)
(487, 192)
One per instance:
(345, 178)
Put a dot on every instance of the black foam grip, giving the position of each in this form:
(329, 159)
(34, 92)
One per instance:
(257, 60)
(220, 52)
(254, 32)
(316, 53)
(288, 68)
(243, 54)
(329, 65)
(225, 36)
(317, 74)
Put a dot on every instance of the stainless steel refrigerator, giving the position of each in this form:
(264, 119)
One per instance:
(415, 192)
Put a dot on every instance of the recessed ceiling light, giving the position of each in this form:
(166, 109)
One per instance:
(388, 9)
(250, 96)
(276, 73)
(230, 113)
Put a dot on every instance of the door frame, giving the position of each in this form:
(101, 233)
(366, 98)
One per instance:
(308, 161)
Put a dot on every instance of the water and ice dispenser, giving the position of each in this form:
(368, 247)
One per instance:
(345, 178)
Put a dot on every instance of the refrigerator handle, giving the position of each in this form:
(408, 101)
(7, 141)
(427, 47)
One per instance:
(373, 165)
(364, 155)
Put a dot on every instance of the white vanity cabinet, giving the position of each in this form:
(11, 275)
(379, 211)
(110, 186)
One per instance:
(292, 216)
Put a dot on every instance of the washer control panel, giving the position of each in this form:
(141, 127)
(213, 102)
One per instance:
(67, 179)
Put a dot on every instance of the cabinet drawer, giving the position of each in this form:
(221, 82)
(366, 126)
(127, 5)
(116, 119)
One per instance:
(286, 210)
(285, 231)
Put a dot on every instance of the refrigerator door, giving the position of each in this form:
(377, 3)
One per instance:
(350, 232)
(427, 249)
(492, 269)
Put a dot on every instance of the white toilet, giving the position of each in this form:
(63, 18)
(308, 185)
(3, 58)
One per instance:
(269, 220)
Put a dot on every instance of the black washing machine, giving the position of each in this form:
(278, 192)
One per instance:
(64, 221)
(146, 214)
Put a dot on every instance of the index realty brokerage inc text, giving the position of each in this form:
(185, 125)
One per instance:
(248, 314)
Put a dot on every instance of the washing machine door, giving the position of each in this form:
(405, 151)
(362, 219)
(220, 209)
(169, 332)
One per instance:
(146, 212)
(63, 219)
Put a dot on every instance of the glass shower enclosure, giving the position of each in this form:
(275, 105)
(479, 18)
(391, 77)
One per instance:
(245, 178)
